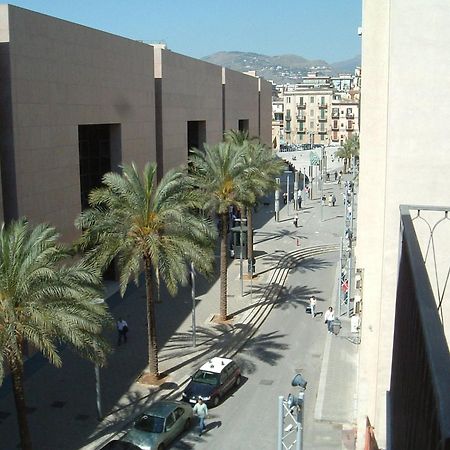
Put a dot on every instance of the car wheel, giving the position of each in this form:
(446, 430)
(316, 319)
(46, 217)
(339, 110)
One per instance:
(238, 380)
(216, 400)
(187, 424)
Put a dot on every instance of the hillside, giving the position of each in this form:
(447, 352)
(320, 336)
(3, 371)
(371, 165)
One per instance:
(281, 68)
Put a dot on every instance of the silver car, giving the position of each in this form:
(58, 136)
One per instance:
(159, 425)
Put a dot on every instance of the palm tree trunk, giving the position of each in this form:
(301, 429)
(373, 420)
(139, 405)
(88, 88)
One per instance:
(151, 324)
(223, 268)
(249, 238)
(21, 407)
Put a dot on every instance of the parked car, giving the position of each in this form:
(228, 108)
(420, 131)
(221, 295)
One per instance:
(159, 425)
(212, 381)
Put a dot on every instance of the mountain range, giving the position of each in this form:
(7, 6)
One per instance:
(281, 68)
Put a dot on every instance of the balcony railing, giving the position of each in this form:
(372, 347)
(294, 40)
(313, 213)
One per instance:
(335, 115)
(323, 106)
(335, 127)
(322, 132)
(301, 106)
(419, 399)
(301, 118)
(301, 131)
(350, 116)
(350, 128)
(322, 119)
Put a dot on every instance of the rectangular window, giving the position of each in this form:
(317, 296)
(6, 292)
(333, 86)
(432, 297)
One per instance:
(196, 134)
(322, 127)
(311, 99)
(301, 100)
(243, 124)
(288, 99)
(311, 125)
(322, 100)
(311, 112)
(322, 137)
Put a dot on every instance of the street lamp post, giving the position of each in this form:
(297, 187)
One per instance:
(194, 337)
(98, 396)
(277, 201)
(288, 173)
(241, 255)
(296, 174)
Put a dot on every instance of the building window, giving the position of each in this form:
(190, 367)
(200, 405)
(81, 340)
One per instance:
(196, 134)
(301, 100)
(311, 99)
(322, 137)
(322, 100)
(311, 125)
(288, 99)
(311, 112)
(243, 124)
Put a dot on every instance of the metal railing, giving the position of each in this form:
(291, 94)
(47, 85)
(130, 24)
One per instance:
(419, 398)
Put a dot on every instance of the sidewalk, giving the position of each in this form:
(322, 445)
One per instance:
(62, 408)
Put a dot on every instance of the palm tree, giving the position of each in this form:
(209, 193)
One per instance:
(147, 226)
(261, 167)
(44, 302)
(218, 172)
(349, 150)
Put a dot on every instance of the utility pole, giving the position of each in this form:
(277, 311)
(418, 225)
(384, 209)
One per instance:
(194, 337)
(277, 200)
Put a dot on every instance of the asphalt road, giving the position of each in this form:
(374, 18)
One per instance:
(288, 342)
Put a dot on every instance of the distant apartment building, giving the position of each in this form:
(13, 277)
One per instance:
(79, 102)
(316, 111)
(344, 118)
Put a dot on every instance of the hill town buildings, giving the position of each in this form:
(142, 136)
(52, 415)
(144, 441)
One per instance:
(320, 110)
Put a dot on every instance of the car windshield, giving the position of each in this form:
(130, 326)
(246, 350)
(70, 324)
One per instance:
(206, 377)
(150, 424)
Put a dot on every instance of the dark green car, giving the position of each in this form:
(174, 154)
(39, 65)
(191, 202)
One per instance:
(159, 425)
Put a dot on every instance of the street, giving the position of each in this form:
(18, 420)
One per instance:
(288, 342)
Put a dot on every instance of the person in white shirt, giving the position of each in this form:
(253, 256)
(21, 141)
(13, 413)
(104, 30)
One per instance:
(329, 317)
(201, 410)
(122, 330)
(312, 305)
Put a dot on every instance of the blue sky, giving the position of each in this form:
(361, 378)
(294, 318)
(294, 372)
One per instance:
(319, 29)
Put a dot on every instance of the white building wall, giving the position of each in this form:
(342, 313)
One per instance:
(404, 160)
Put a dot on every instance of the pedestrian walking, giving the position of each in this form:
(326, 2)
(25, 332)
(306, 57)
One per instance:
(330, 200)
(299, 201)
(296, 221)
(122, 330)
(285, 198)
(312, 306)
(333, 200)
(329, 317)
(323, 200)
(201, 411)
(335, 175)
